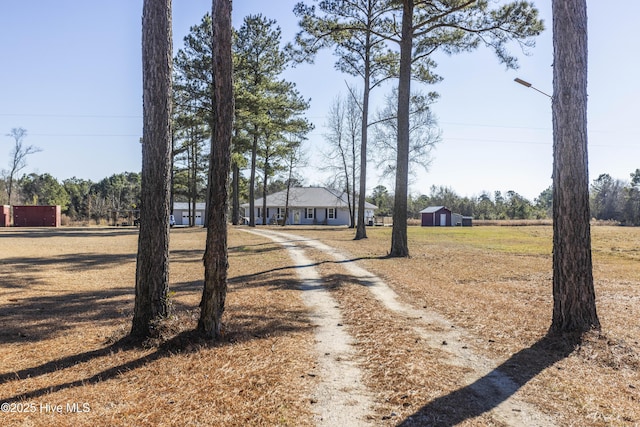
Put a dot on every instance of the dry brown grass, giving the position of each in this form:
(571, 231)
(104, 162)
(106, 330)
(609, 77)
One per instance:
(511, 222)
(496, 283)
(66, 298)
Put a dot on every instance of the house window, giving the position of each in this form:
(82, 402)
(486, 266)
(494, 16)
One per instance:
(308, 213)
(259, 212)
(280, 213)
(331, 213)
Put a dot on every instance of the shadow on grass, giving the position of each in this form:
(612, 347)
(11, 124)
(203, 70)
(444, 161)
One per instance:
(294, 268)
(491, 390)
(35, 309)
(256, 248)
(53, 312)
(47, 316)
(126, 343)
(67, 262)
(187, 256)
(177, 335)
(42, 317)
(243, 328)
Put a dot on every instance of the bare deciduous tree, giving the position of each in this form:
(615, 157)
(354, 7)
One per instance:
(424, 133)
(344, 124)
(18, 158)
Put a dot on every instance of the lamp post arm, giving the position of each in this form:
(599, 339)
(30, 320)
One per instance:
(529, 85)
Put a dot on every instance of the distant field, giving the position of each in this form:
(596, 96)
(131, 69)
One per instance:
(66, 297)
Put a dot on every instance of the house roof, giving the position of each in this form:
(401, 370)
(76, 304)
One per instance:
(433, 209)
(309, 197)
(184, 206)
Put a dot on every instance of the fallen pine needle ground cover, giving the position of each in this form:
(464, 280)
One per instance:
(495, 282)
(66, 300)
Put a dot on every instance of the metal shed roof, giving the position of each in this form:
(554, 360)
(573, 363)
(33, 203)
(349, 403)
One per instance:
(433, 209)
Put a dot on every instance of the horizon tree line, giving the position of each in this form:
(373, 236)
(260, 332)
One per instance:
(82, 200)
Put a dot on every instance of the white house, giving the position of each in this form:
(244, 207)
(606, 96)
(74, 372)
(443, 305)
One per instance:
(308, 205)
(183, 210)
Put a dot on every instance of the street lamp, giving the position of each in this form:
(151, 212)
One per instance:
(527, 84)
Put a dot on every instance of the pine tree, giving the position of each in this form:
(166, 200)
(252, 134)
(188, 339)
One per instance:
(216, 253)
(353, 28)
(574, 306)
(267, 106)
(152, 267)
(452, 27)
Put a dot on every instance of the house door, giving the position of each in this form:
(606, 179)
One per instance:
(443, 220)
(296, 217)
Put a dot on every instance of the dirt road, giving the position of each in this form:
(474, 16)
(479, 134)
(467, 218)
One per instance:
(343, 398)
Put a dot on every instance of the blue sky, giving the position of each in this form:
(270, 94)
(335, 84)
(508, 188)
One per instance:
(71, 76)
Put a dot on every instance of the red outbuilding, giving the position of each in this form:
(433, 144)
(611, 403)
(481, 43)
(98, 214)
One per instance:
(36, 216)
(440, 216)
(436, 216)
(5, 216)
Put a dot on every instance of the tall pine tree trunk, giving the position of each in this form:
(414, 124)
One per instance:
(574, 307)
(194, 179)
(289, 179)
(152, 266)
(361, 231)
(235, 209)
(352, 213)
(399, 245)
(264, 190)
(252, 179)
(216, 252)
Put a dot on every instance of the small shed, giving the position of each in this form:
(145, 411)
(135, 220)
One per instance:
(434, 216)
(36, 216)
(456, 220)
(5, 216)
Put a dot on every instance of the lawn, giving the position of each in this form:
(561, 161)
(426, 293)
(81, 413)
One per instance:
(66, 299)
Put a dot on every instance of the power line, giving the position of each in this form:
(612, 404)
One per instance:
(501, 141)
(88, 135)
(492, 126)
(88, 116)
(505, 141)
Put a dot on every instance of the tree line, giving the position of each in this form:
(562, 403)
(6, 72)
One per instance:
(84, 200)
(615, 199)
(488, 205)
(113, 197)
(80, 199)
(610, 199)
